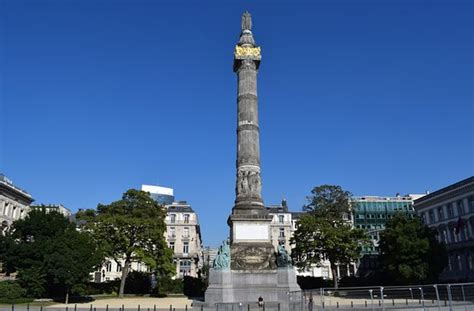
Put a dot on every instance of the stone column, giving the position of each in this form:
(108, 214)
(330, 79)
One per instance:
(248, 180)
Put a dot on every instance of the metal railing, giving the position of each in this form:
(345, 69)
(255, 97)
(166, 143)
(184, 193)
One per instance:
(435, 297)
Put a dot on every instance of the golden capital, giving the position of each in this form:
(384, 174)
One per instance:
(241, 51)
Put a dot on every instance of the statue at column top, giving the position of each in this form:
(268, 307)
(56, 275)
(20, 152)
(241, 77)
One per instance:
(246, 21)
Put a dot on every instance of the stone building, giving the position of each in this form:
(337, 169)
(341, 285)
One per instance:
(14, 202)
(450, 211)
(54, 207)
(183, 234)
(281, 226)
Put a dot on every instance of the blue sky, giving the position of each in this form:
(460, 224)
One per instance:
(98, 97)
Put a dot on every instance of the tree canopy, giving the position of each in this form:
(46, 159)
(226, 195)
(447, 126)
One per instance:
(325, 233)
(49, 254)
(410, 252)
(132, 229)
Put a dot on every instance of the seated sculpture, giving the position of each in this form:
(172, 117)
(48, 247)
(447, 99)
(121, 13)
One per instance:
(283, 258)
(222, 260)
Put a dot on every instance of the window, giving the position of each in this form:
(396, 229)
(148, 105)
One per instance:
(282, 233)
(450, 210)
(459, 263)
(471, 262)
(471, 204)
(460, 206)
(172, 232)
(186, 218)
(185, 247)
(440, 213)
(108, 266)
(431, 216)
(119, 268)
(172, 246)
(186, 232)
(445, 236)
(450, 264)
(173, 218)
(281, 219)
(184, 267)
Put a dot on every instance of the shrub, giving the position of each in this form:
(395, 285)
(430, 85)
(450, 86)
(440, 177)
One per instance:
(194, 287)
(310, 282)
(138, 283)
(11, 291)
(168, 286)
(104, 288)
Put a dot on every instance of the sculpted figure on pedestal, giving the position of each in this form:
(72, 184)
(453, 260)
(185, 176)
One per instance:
(222, 261)
(283, 258)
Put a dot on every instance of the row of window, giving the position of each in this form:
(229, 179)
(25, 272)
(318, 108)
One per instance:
(173, 218)
(172, 232)
(455, 263)
(185, 247)
(461, 232)
(10, 210)
(442, 213)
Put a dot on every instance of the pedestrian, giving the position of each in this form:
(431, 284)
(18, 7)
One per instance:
(260, 301)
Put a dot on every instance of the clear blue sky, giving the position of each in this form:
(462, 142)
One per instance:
(98, 97)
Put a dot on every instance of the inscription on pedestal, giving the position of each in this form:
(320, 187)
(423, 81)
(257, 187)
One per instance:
(253, 256)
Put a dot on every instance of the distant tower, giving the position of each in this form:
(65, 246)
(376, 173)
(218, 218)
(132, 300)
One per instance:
(250, 221)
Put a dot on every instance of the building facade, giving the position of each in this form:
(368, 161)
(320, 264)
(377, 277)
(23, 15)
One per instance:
(54, 207)
(450, 211)
(162, 195)
(183, 234)
(14, 203)
(371, 213)
(283, 226)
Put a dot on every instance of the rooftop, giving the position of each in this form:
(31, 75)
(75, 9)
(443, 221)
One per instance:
(7, 182)
(455, 186)
(398, 198)
(180, 206)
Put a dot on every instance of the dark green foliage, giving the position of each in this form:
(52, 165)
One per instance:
(132, 229)
(49, 254)
(138, 283)
(325, 232)
(104, 288)
(311, 282)
(194, 287)
(167, 285)
(10, 291)
(410, 252)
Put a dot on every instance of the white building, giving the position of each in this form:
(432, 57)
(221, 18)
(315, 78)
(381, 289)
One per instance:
(14, 203)
(450, 211)
(283, 227)
(183, 236)
(54, 207)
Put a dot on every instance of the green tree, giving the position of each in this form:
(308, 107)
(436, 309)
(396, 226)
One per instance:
(132, 229)
(410, 252)
(325, 232)
(49, 253)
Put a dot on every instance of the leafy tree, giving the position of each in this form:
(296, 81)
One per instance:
(410, 252)
(49, 253)
(325, 232)
(132, 229)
